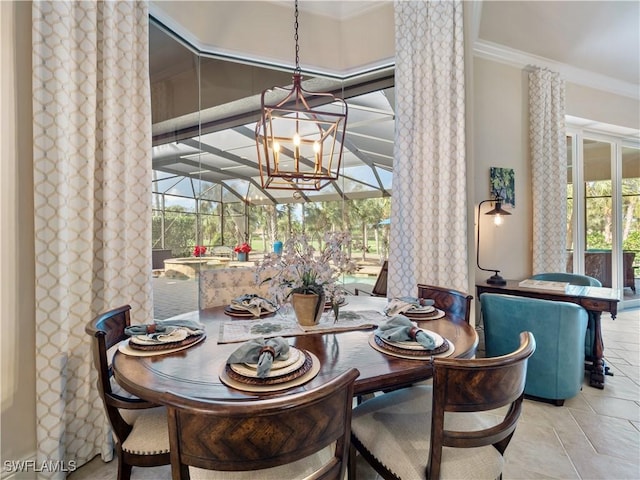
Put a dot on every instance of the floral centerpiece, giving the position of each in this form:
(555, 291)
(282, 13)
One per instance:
(301, 268)
(199, 250)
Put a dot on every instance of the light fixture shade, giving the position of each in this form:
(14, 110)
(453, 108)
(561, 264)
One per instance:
(299, 138)
(497, 210)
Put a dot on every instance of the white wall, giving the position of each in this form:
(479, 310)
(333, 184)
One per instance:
(17, 310)
(605, 107)
(500, 140)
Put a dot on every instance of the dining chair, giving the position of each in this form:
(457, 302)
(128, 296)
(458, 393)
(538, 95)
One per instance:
(456, 304)
(380, 287)
(139, 427)
(301, 435)
(453, 428)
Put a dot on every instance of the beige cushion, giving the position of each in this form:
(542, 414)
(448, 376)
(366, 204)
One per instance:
(302, 468)
(396, 429)
(218, 287)
(150, 434)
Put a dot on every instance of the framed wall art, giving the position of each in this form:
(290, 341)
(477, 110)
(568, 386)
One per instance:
(502, 184)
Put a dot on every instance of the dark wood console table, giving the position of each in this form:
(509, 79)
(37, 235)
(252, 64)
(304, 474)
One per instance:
(594, 299)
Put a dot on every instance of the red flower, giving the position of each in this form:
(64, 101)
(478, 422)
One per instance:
(243, 248)
(199, 250)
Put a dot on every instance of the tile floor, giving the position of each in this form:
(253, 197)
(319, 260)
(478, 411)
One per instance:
(595, 435)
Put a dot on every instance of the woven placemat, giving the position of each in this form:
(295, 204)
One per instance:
(164, 346)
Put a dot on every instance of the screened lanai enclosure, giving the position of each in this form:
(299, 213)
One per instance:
(206, 180)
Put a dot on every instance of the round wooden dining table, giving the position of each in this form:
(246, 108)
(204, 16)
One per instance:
(195, 371)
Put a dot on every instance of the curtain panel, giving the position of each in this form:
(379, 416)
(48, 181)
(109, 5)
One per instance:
(547, 139)
(429, 212)
(92, 172)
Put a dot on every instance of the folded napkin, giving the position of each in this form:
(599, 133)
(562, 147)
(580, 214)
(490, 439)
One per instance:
(401, 329)
(253, 303)
(164, 331)
(261, 351)
(404, 304)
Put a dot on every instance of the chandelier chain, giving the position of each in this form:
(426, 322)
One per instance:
(295, 26)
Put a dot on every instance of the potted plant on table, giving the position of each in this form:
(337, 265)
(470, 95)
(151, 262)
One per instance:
(243, 251)
(308, 277)
(199, 250)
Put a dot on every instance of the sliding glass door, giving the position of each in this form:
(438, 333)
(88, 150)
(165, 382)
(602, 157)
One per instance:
(603, 189)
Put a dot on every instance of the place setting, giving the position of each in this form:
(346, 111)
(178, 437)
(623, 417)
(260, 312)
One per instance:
(162, 337)
(268, 365)
(421, 309)
(401, 337)
(250, 306)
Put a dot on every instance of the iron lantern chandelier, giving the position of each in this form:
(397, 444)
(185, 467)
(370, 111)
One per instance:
(299, 135)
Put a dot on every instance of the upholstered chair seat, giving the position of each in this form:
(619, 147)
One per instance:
(396, 430)
(149, 434)
(303, 468)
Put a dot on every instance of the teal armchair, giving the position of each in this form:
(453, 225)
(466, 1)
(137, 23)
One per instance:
(556, 369)
(576, 279)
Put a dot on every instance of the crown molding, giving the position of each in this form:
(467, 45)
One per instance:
(517, 58)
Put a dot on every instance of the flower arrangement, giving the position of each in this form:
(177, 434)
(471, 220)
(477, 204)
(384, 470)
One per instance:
(301, 268)
(242, 248)
(199, 250)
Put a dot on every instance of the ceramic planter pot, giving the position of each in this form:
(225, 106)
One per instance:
(308, 308)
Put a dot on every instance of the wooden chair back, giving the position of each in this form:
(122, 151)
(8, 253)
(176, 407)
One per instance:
(107, 330)
(380, 287)
(456, 304)
(258, 434)
(461, 385)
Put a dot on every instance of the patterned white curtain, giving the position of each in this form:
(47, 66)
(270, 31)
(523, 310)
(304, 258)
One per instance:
(92, 176)
(429, 212)
(547, 138)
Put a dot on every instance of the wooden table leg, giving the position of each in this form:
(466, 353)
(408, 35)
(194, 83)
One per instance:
(597, 369)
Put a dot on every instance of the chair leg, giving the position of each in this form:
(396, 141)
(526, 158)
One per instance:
(558, 403)
(124, 470)
(351, 465)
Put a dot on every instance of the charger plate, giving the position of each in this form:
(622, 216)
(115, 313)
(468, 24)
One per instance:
(278, 368)
(125, 348)
(260, 388)
(423, 315)
(245, 314)
(445, 350)
(412, 345)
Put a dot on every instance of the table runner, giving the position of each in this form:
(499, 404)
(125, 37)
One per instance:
(286, 325)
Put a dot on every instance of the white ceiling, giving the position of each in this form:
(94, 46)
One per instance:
(597, 36)
(596, 43)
